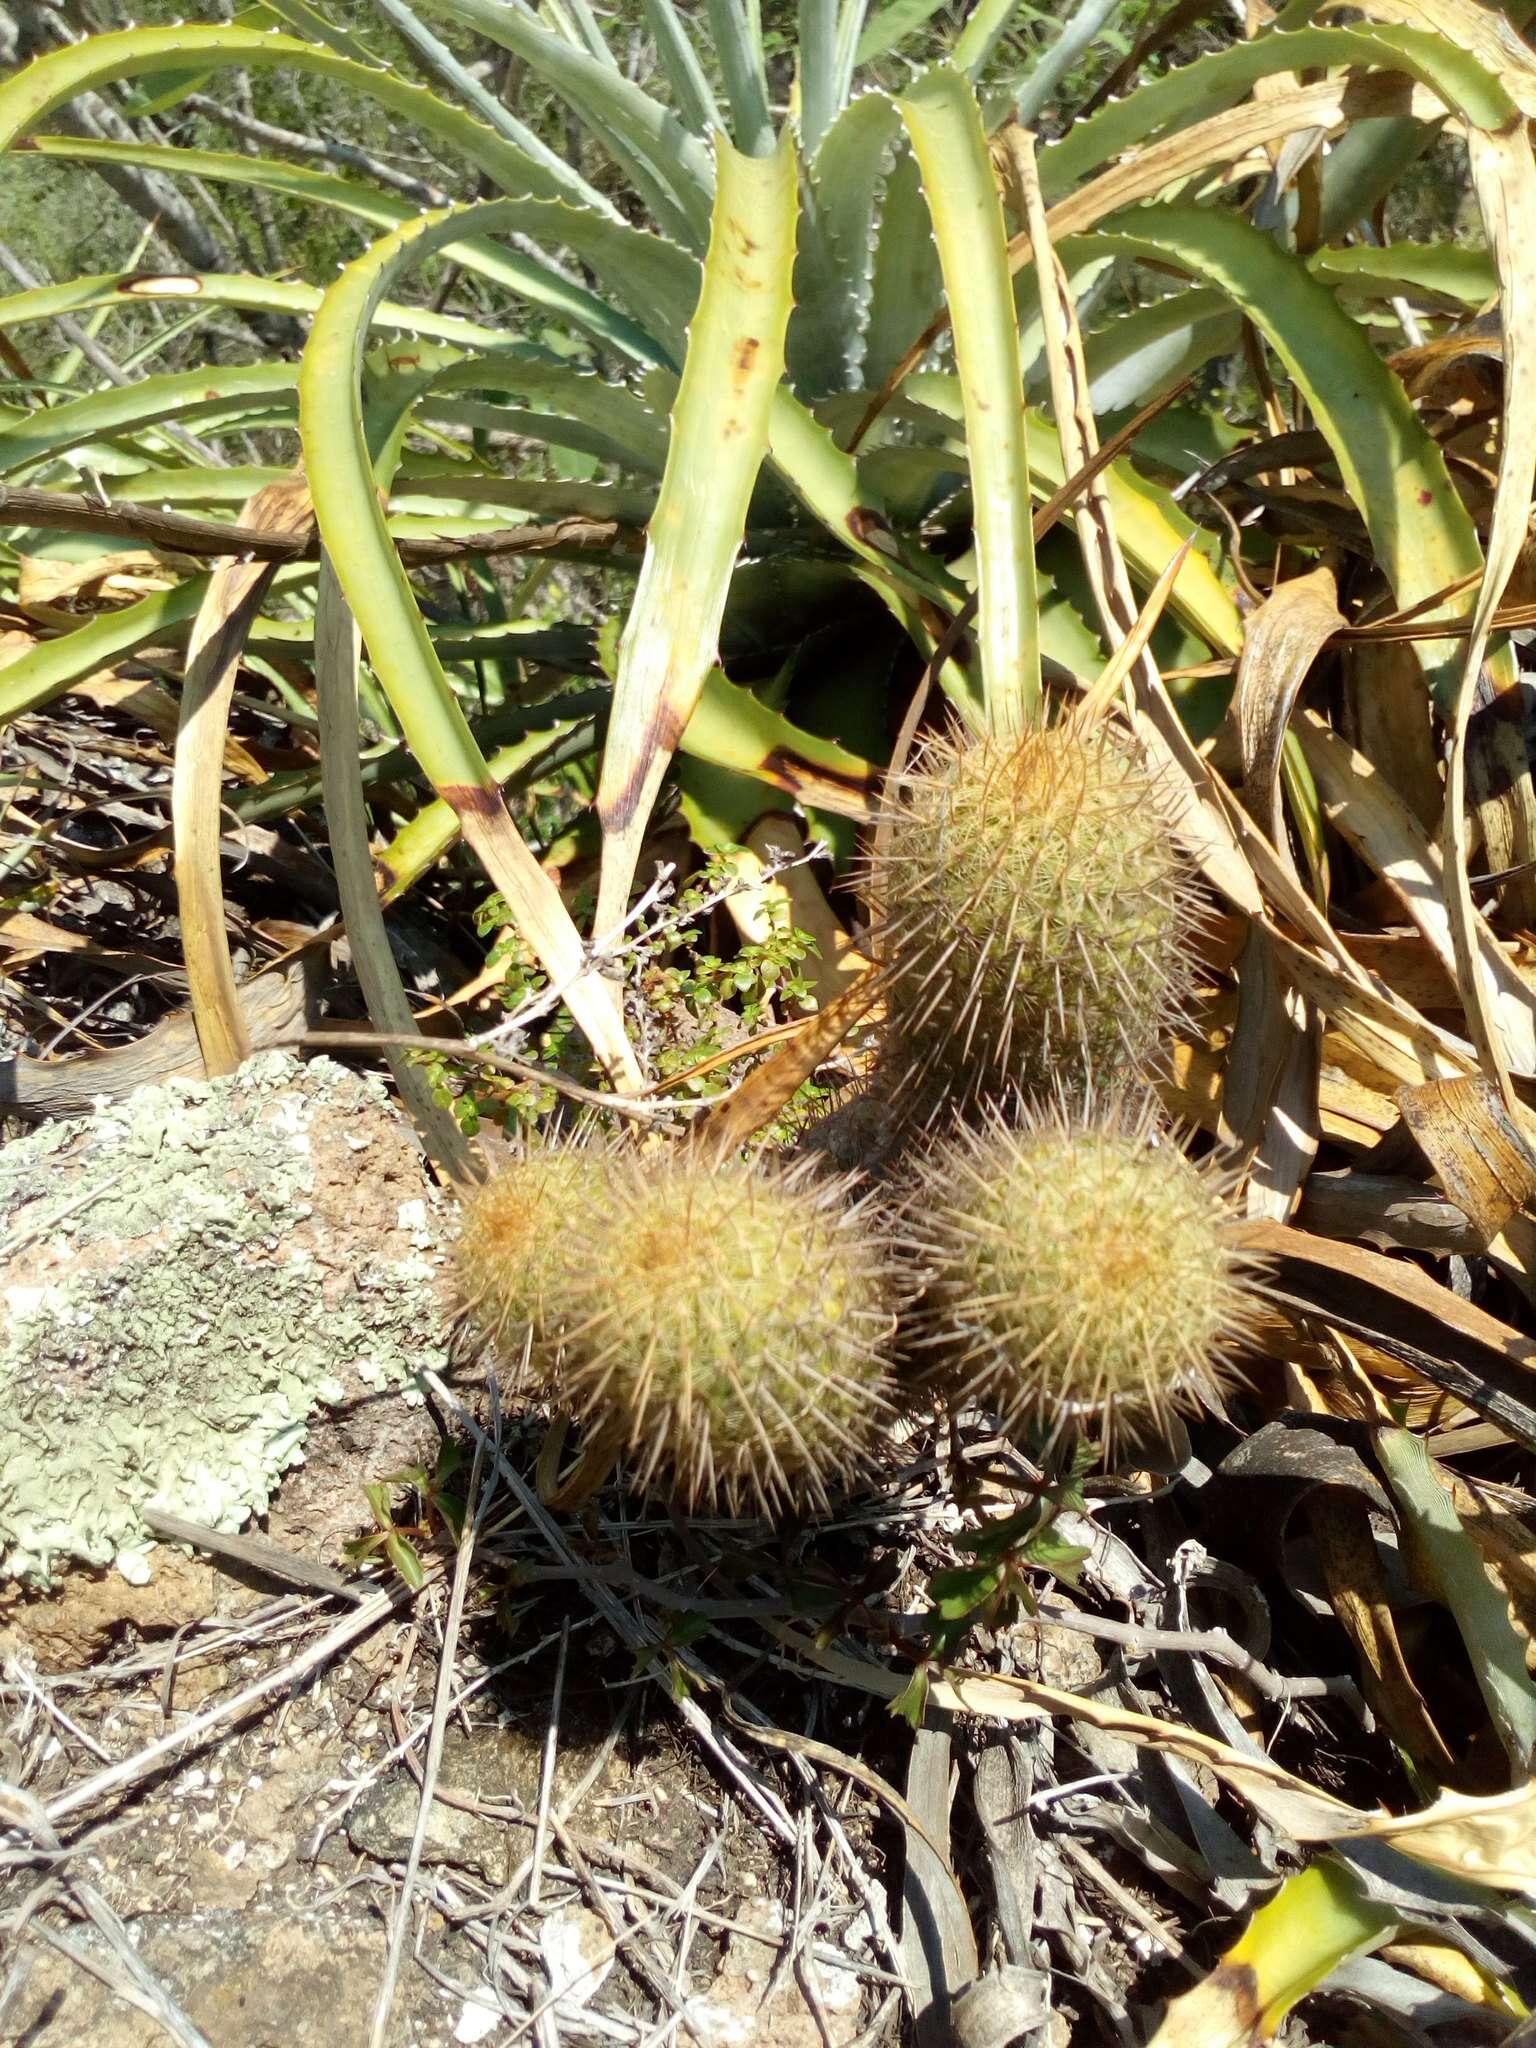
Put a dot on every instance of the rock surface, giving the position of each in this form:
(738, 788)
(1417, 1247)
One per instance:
(207, 1286)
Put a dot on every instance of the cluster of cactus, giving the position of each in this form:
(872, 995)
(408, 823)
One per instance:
(746, 1330)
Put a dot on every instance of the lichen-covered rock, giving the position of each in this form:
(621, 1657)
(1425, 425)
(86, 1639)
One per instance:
(188, 1277)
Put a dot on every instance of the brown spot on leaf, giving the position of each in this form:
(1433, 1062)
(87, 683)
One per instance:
(746, 354)
(781, 768)
(661, 737)
(471, 800)
(1238, 1983)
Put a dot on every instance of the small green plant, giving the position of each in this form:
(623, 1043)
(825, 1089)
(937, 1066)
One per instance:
(440, 1516)
(1038, 915)
(995, 1583)
(731, 1323)
(1078, 1271)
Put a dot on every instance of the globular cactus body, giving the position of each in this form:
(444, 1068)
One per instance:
(1078, 1271)
(734, 1321)
(729, 1324)
(1038, 916)
(514, 1247)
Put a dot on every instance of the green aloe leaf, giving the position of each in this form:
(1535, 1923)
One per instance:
(680, 61)
(1437, 271)
(737, 36)
(1292, 1944)
(51, 668)
(1455, 1564)
(1392, 468)
(829, 35)
(668, 166)
(30, 95)
(1212, 83)
(720, 429)
(612, 420)
(345, 488)
(834, 272)
(891, 25)
(944, 122)
(184, 396)
(610, 246)
(125, 289)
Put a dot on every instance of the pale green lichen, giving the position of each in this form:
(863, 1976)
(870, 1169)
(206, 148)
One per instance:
(176, 1353)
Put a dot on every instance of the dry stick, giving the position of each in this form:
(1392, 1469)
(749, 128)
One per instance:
(268, 135)
(351, 1626)
(1215, 1643)
(501, 1063)
(474, 1511)
(547, 1769)
(182, 534)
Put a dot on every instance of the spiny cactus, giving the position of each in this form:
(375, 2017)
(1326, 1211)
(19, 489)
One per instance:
(1077, 1267)
(513, 1248)
(1038, 915)
(733, 1323)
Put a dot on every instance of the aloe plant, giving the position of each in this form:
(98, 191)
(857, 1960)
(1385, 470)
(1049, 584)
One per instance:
(799, 351)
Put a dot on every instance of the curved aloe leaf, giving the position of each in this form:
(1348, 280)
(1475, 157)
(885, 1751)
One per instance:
(828, 35)
(731, 728)
(125, 289)
(29, 96)
(892, 25)
(1292, 1944)
(690, 88)
(1391, 467)
(1439, 271)
(834, 273)
(1212, 83)
(944, 122)
(668, 166)
(978, 39)
(539, 283)
(615, 422)
(49, 669)
(465, 88)
(352, 525)
(737, 37)
(1133, 358)
(720, 428)
(129, 408)
(906, 286)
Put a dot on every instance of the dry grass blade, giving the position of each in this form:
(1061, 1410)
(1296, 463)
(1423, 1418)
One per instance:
(1450, 1343)
(233, 601)
(1358, 803)
(1103, 561)
(474, 1510)
(1504, 175)
(1281, 640)
(1481, 1155)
